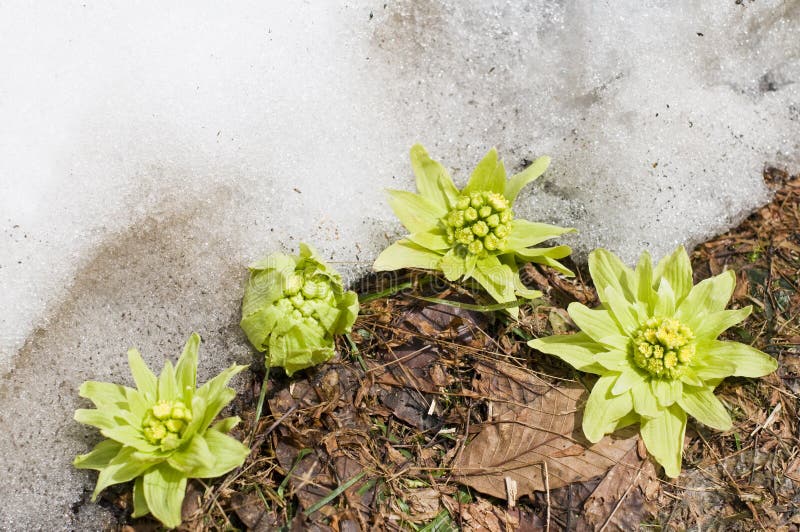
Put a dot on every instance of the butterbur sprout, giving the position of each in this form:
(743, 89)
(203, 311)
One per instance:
(654, 344)
(293, 306)
(471, 233)
(161, 433)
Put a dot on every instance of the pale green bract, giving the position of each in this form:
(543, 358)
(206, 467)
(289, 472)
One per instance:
(471, 233)
(161, 433)
(654, 345)
(292, 308)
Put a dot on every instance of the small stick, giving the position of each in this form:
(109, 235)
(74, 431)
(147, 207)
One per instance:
(769, 420)
(619, 502)
(547, 494)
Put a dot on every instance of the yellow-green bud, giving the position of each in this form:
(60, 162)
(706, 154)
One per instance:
(480, 228)
(162, 410)
(464, 236)
(294, 283)
(475, 247)
(164, 423)
(663, 347)
(480, 222)
(501, 231)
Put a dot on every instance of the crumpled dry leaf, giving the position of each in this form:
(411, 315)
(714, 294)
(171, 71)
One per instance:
(628, 482)
(532, 422)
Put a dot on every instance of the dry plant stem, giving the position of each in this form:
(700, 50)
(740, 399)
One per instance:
(547, 494)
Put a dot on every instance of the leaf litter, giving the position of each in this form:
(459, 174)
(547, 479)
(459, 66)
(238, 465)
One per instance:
(437, 416)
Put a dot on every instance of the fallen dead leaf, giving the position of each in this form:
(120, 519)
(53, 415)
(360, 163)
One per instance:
(620, 500)
(533, 422)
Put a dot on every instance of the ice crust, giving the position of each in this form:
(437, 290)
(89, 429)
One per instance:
(148, 154)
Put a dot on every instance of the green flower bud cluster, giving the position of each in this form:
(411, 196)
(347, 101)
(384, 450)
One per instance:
(663, 347)
(302, 296)
(480, 221)
(164, 423)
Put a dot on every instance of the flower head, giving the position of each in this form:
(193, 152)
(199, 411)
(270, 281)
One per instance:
(471, 233)
(161, 433)
(292, 308)
(654, 345)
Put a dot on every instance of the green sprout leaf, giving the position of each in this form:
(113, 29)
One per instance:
(159, 435)
(294, 305)
(654, 345)
(471, 233)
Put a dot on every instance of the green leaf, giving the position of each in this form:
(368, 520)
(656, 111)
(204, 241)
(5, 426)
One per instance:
(748, 361)
(226, 425)
(621, 311)
(554, 264)
(164, 490)
(691, 378)
(666, 391)
(520, 180)
(217, 395)
(523, 291)
(101, 419)
(192, 457)
(140, 507)
(453, 265)
(665, 300)
(263, 288)
(577, 350)
(644, 281)
(489, 175)
(627, 380)
(677, 269)
(525, 234)
(703, 405)
(617, 342)
(603, 409)
(555, 252)
(497, 279)
(707, 366)
(596, 323)
(644, 402)
(145, 379)
(348, 307)
(613, 360)
(228, 453)
(663, 437)
(104, 394)
(433, 181)
(433, 239)
(716, 323)
(129, 436)
(186, 369)
(99, 457)
(707, 296)
(406, 254)
(608, 271)
(416, 213)
(167, 385)
(277, 261)
(137, 403)
(122, 468)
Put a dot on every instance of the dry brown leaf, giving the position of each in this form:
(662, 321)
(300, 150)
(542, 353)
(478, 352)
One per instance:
(620, 500)
(533, 422)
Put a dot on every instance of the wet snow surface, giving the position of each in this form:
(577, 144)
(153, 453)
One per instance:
(148, 154)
